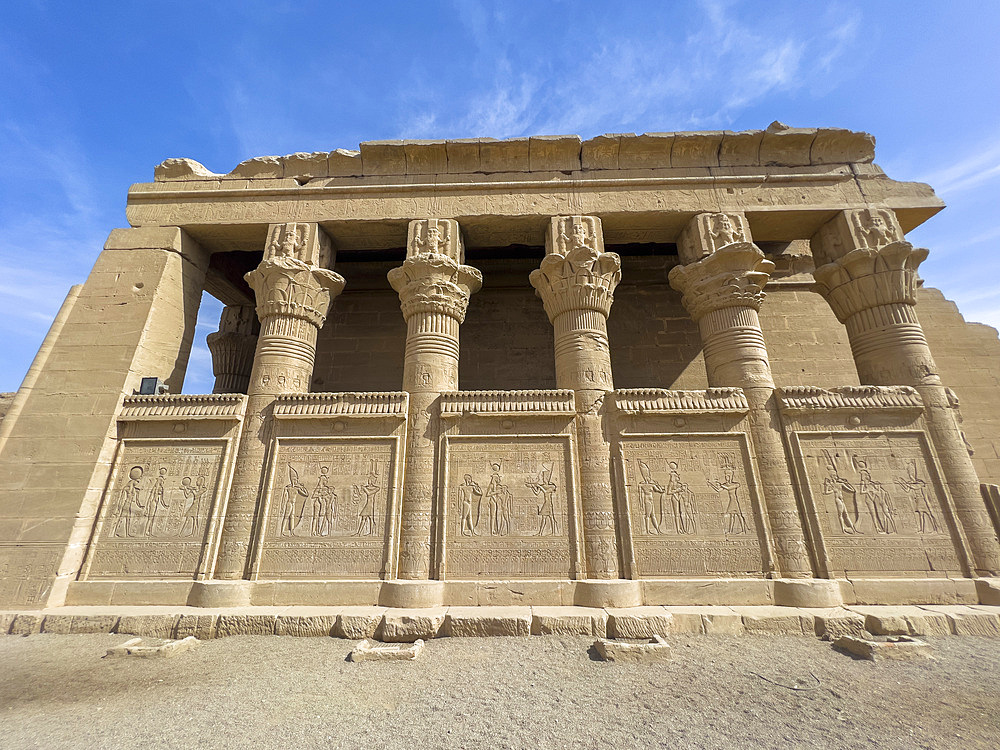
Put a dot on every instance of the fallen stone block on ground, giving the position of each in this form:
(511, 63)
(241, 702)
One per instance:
(891, 648)
(153, 649)
(370, 651)
(656, 650)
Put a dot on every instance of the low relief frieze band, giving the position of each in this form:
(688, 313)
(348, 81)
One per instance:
(518, 403)
(347, 403)
(228, 406)
(662, 401)
(812, 398)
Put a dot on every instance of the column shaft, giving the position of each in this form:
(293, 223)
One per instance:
(434, 287)
(722, 283)
(576, 282)
(293, 296)
(868, 274)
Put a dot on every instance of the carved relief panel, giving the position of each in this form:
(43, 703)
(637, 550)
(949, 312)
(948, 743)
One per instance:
(327, 508)
(879, 503)
(158, 511)
(509, 507)
(693, 504)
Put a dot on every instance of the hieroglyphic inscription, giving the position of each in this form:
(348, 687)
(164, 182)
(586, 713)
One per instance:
(327, 509)
(155, 513)
(692, 506)
(507, 508)
(879, 509)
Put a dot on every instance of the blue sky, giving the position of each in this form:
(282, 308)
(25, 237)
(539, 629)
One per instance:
(93, 95)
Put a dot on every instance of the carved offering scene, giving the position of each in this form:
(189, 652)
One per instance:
(327, 509)
(508, 508)
(155, 514)
(692, 505)
(879, 504)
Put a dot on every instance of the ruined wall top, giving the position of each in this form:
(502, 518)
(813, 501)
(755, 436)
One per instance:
(777, 146)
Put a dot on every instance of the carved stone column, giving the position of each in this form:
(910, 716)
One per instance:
(722, 281)
(434, 287)
(293, 292)
(233, 347)
(576, 281)
(868, 274)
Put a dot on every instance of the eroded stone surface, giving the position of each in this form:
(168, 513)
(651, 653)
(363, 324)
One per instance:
(656, 650)
(891, 648)
(368, 651)
(145, 648)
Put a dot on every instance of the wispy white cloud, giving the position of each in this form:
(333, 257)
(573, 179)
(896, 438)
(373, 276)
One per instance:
(980, 166)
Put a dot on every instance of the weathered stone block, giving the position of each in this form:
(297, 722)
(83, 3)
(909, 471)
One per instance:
(181, 170)
(462, 155)
(601, 152)
(838, 146)
(785, 146)
(139, 648)
(425, 157)
(639, 622)
(6, 620)
(26, 624)
(776, 621)
(646, 151)
(552, 153)
(245, 625)
(259, 167)
(970, 621)
(407, 625)
(487, 621)
(152, 626)
(740, 149)
(383, 157)
(657, 650)
(833, 623)
(344, 163)
(510, 155)
(569, 621)
(894, 648)
(302, 165)
(201, 627)
(696, 149)
(61, 624)
(356, 623)
(305, 626)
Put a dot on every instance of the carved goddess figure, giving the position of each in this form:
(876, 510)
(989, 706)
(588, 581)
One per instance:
(498, 503)
(876, 498)
(724, 232)
(917, 489)
(681, 501)
(832, 487)
(650, 500)
(736, 522)
(156, 500)
(324, 501)
(129, 509)
(193, 494)
(289, 501)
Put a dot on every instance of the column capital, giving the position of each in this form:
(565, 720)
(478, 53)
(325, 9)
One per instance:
(233, 347)
(290, 280)
(723, 268)
(576, 273)
(863, 262)
(434, 277)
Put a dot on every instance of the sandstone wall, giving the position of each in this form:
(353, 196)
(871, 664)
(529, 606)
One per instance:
(968, 358)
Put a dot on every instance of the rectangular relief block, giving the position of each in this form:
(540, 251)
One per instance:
(509, 503)
(327, 508)
(693, 505)
(155, 516)
(879, 502)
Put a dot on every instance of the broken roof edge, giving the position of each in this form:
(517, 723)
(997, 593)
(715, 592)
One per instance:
(777, 146)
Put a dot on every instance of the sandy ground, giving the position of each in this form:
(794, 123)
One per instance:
(541, 692)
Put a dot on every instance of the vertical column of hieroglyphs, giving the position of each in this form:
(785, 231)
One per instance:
(434, 287)
(868, 274)
(722, 280)
(293, 292)
(233, 347)
(576, 281)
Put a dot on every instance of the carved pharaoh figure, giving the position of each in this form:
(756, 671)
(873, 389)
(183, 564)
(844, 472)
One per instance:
(366, 496)
(736, 522)
(918, 491)
(650, 500)
(544, 486)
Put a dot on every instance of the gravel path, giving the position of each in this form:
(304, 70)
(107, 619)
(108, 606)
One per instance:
(540, 692)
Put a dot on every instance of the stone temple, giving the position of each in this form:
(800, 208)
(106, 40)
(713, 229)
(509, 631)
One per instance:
(670, 368)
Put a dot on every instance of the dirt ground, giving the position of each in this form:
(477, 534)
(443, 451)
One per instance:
(541, 692)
